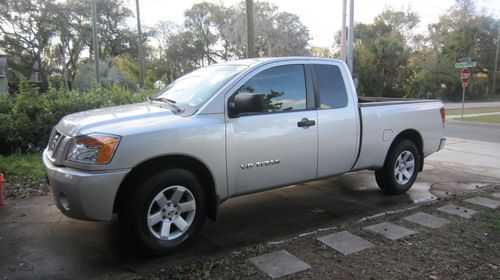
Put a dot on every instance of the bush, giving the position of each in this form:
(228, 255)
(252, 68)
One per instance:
(27, 118)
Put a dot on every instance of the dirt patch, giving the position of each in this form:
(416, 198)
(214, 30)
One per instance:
(16, 187)
(462, 249)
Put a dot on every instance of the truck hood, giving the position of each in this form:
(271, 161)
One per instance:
(111, 116)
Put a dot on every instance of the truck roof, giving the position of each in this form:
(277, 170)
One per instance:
(255, 61)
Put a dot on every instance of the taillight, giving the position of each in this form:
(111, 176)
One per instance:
(443, 115)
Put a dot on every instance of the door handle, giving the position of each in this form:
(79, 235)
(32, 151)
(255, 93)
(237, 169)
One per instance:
(305, 122)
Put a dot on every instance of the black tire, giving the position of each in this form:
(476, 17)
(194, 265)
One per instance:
(137, 205)
(391, 178)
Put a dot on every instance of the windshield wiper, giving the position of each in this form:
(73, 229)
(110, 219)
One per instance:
(166, 100)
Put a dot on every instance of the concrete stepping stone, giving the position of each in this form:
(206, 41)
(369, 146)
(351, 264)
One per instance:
(457, 210)
(427, 220)
(279, 263)
(345, 242)
(390, 231)
(483, 201)
(497, 194)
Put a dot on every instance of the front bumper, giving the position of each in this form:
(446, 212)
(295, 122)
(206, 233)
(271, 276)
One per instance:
(81, 194)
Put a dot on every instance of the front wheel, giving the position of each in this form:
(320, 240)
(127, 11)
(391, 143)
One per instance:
(400, 168)
(165, 211)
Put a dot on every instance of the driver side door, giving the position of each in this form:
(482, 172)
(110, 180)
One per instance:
(278, 146)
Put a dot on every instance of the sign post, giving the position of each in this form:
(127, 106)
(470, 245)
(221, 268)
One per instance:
(464, 77)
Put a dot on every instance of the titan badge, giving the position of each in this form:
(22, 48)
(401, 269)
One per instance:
(260, 163)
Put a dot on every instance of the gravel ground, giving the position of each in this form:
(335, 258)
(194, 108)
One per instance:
(462, 249)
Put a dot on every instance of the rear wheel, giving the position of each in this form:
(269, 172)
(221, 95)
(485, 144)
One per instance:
(400, 168)
(164, 211)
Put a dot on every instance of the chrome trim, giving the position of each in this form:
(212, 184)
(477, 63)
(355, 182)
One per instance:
(57, 147)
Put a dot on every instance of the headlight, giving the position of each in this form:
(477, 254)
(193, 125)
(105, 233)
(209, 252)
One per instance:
(93, 148)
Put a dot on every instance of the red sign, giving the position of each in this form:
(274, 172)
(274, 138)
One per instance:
(465, 77)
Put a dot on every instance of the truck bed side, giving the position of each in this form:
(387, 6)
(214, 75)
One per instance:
(384, 119)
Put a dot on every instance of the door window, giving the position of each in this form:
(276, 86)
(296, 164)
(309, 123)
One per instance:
(331, 87)
(283, 87)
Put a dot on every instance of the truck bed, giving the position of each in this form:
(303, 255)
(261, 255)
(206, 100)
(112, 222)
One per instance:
(365, 101)
(382, 119)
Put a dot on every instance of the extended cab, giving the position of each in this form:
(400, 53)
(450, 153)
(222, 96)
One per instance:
(227, 130)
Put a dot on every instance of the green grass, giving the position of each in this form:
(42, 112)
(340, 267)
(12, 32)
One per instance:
(451, 112)
(26, 166)
(494, 119)
(493, 221)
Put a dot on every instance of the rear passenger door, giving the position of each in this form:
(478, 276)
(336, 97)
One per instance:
(338, 119)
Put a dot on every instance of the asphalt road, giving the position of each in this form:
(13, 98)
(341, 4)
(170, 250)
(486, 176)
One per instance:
(458, 105)
(472, 131)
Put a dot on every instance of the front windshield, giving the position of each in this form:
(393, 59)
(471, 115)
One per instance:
(195, 88)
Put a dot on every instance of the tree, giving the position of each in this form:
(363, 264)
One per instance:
(382, 53)
(177, 52)
(321, 52)
(276, 33)
(204, 21)
(213, 33)
(463, 33)
(115, 38)
(119, 70)
(75, 32)
(27, 28)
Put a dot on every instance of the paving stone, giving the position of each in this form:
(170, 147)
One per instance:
(483, 201)
(458, 211)
(497, 194)
(279, 263)
(427, 220)
(390, 231)
(346, 242)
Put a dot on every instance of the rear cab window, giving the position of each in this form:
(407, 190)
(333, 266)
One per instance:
(331, 87)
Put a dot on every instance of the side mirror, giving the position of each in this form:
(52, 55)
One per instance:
(246, 103)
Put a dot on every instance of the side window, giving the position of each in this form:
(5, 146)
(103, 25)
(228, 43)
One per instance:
(283, 87)
(332, 92)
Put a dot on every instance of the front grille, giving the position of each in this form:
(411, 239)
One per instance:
(56, 146)
(54, 140)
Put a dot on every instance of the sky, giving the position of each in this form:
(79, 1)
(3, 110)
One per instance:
(321, 17)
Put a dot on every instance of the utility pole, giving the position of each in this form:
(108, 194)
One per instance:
(139, 40)
(343, 51)
(351, 37)
(96, 44)
(495, 67)
(65, 66)
(250, 29)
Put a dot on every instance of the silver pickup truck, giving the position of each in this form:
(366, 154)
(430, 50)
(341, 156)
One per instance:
(231, 129)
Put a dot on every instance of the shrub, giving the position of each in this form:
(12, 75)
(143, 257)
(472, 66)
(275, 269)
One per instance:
(27, 118)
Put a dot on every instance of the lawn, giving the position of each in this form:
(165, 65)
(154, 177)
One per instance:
(492, 221)
(451, 112)
(494, 119)
(23, 175)
(22, 165)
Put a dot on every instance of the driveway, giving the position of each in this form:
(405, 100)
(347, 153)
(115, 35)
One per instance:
(36, 241)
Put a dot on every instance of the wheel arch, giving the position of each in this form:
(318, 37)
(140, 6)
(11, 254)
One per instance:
(153, 165)
(413, 136)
